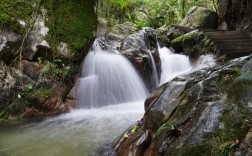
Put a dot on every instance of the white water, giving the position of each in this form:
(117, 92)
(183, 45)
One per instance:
(154, 70)
(145, 43)
(77, 133)
(108, 78)
(172, 65)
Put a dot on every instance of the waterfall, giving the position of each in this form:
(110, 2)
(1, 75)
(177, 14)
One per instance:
(172, 64)
(154, 75)
(108, 78)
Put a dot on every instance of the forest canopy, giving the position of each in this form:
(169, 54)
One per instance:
(153, 13)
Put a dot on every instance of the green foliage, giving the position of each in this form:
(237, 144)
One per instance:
(227, 148)
(134, 128)
(154, 13)
(13, 10)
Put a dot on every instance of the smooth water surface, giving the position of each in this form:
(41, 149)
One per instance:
(78, 133)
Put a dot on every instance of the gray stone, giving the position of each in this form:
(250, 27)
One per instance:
(199, 17)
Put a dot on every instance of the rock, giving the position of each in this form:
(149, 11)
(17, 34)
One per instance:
(199, 17)
(177, 44)
(234, 15)
(10, 42)
(190, 115)
(120, 31)
(117, 33)
(36, 41)
(31, 69)
(102, 26)
(137, 48)
(64, 51)
(73, 92)
(166, 34)
(189, 43)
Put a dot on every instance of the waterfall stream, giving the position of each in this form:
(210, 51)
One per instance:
(108, 78)
(114, 95)
(172, 64)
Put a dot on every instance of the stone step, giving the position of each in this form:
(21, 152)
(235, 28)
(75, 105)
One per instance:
(236, 45)
(229, 38)
(227, 33)
(233, 55)
(224, 51)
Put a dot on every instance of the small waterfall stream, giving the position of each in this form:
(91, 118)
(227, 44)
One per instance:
(108, 78)
(172, 64)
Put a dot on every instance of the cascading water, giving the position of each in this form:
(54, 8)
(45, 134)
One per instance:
(108, 78)
(172, 64)
(154, 75)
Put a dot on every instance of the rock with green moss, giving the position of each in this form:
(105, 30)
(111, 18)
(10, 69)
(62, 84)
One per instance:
(188, 44)
(120, 31)
(199, 17)
(166, 34)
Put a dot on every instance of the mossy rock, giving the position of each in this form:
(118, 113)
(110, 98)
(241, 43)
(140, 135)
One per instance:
(200, 17)
(72, 22)
(177, 44)
(120, 31)
(186, 41)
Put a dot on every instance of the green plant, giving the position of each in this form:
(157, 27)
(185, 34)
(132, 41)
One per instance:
(165, 126)
(227, 148)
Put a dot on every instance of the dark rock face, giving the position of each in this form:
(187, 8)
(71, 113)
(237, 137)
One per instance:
(235, 14)
(202, 113)
(199, 17)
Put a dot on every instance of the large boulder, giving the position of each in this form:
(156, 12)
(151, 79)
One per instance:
(137, 48)
(199, 17)
(117, 33)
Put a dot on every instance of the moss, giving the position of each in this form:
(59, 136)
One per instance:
(39, 96)
(72, 22)
(14, 10)
(177, 44)
(190, 39)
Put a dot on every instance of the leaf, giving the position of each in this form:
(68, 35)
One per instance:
(222, 125)
(134, 128)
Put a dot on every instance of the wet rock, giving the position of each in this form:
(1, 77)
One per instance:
(204, 114)
(199, 17)
(138, 47)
